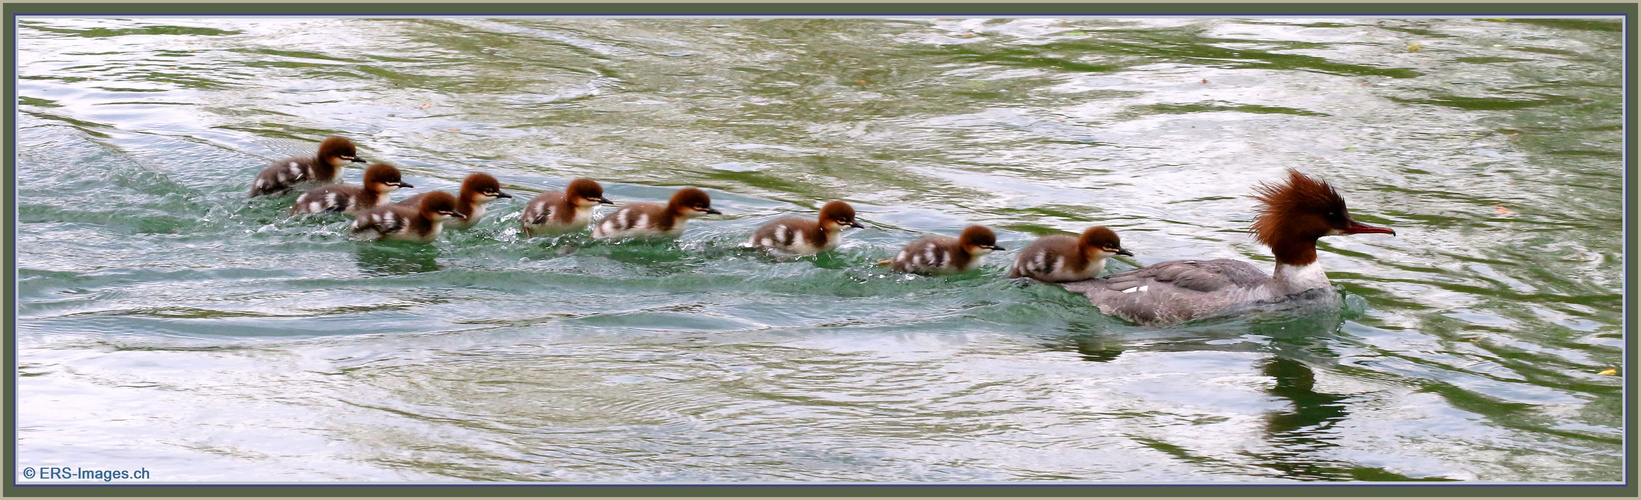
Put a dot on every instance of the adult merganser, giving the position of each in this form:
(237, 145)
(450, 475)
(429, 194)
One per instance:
(944, 254)
(286, 174)
(1059, 258)
(651, 220)
(420, 224)
(1291, 217)
(554, 212)
(380, 179)
(477, 190)
(807, 237)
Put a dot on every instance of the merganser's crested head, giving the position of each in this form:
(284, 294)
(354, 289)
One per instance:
(482, 188)
(978, 240)
(384, 178)
(338, 151)
(1293, 215)
(1102, 239)
(586, 193)
(690, 202)
(438, 206)
(838, 214)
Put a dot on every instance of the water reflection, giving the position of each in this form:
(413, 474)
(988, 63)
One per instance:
(1299, 433)
(384, 258)
(1304, 432)
(1099, 348)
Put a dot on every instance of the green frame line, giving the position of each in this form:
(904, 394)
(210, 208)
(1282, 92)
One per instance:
(8, 291)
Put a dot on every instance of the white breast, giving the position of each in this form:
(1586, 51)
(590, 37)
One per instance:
(472, 219)
(1295, 279)
(582, 216)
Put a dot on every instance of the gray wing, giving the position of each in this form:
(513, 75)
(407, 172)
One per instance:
(281, 176)
(1205, 276)
(1172, 291)
(780, 233)
(1039, 258)
(383, 219)
(629, 217)
(332, 198)
(540, 210)
(923, 255)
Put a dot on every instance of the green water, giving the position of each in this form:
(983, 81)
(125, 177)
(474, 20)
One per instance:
(166, 322)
